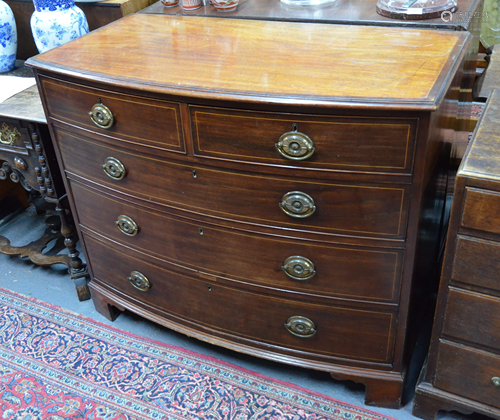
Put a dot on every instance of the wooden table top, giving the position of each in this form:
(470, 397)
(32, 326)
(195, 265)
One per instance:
(482, 158)
(25, 105)
(266, 61)
(342, 12)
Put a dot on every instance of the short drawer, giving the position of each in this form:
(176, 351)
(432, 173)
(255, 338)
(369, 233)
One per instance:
(477, 263)
(470, 373)
(481, 210)
(473, 318)
(365, 210)
(138, 120)
(337, 331)
(313, 268)
(328, 142)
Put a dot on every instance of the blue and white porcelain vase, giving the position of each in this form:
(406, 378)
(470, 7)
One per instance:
(8, 38)
(55, 22)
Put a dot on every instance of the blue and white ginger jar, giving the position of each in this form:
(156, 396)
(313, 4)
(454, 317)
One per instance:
(55, 22)
(8, 38)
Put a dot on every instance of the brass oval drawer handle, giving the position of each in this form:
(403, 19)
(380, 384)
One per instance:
(298, 204)
(496, 381)
(139, 281)
(300, 326)
(127, 225)
(295, 145)
(102, 116)
(113, 168)
(299, 268)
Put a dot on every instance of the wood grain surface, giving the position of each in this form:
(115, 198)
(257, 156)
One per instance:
(482, 159)
(251, 59)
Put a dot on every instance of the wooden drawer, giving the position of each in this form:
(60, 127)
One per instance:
(477, 263)
(469, 373)
(145, 121)
(343, 271)
(243, 315)
(357, 143)
(340, 208)
(473, 318)
(481, 210)
(13, 138)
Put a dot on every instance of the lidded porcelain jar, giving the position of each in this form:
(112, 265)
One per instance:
(55, 22)
(8, 38)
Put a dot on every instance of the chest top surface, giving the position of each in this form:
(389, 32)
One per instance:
(255, 61)
(482, 159)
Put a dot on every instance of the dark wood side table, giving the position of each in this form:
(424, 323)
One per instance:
(463, 367)
(27, 157)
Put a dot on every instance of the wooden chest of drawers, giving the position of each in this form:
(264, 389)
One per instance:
(273, 194)
(463, 368)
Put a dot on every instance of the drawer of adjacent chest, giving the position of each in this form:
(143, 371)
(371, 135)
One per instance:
(129, 118)
(477, 263)
(473, 318)
(280, 263)
(472, 374)
(481, 210)
(329, 142)
(329, 207)
(326, 330)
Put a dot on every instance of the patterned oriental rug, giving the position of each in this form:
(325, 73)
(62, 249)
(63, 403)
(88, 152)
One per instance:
(55, 364)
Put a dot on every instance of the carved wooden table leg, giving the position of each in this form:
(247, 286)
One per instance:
(78, 271)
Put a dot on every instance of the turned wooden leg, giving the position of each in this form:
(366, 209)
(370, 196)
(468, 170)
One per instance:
(78, 270)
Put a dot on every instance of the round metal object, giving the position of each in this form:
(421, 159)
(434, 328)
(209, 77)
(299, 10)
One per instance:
(299, 268)
(102, 116)
(300, 326)
(139, 281)
(298, 204)
(127, 225)
(20, 164)
(295, 146)
(113, 168)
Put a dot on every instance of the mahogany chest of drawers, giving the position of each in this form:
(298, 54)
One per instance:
(271, 193)
(463, 368)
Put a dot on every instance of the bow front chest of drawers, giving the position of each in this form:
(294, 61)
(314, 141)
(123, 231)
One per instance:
(269, 187)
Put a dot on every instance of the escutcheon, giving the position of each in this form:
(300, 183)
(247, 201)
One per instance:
(139, 281)
(496, 381)
(298, 204)
(127, 225)
(295, 145)
(300, 326)
(299, 268)
(102, 116)
(113, 168)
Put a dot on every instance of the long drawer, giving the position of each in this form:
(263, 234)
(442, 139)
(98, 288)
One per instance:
(469, 373)
(295, 265)
(329, 207)
(145, 121)
(473, 317)
(327, 330)
(321, 142)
